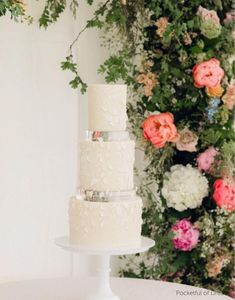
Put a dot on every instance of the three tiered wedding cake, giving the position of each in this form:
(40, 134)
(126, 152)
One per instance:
(106, 213)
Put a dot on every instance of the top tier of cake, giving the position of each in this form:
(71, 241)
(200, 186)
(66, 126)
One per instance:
(107, 107)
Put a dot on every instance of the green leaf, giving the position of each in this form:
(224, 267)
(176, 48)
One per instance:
(51, 13)
(76, 82)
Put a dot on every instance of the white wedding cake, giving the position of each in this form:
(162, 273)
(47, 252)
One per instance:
(106, 212)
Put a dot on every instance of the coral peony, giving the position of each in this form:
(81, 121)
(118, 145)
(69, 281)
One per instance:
(229, 97)
(206, 159)
(186, 235)
(159, 129)
(187, 141)
(224, 194)
(208, 73)
(215, 92)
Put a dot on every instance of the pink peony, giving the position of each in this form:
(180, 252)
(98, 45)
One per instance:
(159, 129)
(187, 141)
(186, 235)
(208, 73)
(207, 15)
(224, 194)
(206, 159)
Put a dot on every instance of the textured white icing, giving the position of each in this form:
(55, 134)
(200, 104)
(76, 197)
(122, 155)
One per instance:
(107, 166)
(105, 224)
(107, 107)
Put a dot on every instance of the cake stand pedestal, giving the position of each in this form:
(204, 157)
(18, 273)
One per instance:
(103, 291)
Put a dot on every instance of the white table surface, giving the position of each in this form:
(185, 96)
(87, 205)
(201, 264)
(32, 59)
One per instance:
(126, 289)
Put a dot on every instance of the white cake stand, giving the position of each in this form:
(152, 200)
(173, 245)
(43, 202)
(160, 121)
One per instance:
(104, 291)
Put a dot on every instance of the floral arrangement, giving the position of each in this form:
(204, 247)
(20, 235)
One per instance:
(177, 58)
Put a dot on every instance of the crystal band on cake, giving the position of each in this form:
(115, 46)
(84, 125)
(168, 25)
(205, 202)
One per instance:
(107, 136)
(101, 196)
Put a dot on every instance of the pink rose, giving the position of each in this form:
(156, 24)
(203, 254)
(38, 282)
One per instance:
(187, 141)
(206, 159)
(206, 15)
(186, 235)
(159, 129)
(208, 73)
(224, 194)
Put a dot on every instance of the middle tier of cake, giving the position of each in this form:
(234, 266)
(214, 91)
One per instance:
(107, 166)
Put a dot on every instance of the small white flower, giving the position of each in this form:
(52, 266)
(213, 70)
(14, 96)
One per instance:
(184, 187)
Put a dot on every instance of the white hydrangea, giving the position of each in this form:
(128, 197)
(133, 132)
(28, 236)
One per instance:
(184, 187)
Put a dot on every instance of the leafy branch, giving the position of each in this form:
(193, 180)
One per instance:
(51, 13)
(17, 10)
(70, 65)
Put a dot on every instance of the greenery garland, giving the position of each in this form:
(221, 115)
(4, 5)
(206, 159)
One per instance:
(177, 58)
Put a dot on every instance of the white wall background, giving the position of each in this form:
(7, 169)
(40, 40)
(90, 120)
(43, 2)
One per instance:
(41, 119)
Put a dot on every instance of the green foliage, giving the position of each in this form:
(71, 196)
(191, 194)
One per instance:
(76, 82)
(52, 11)
(184, 43)
(116, 67)
(90, 2)
(74, 7)
(210, 137)
(16, 9)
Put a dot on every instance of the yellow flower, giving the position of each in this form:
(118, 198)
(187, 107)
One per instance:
(161, 25)
(216, 91)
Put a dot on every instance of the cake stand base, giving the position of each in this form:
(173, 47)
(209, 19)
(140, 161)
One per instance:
(103, 289)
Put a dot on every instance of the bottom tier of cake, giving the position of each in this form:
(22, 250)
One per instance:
(105, 224)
